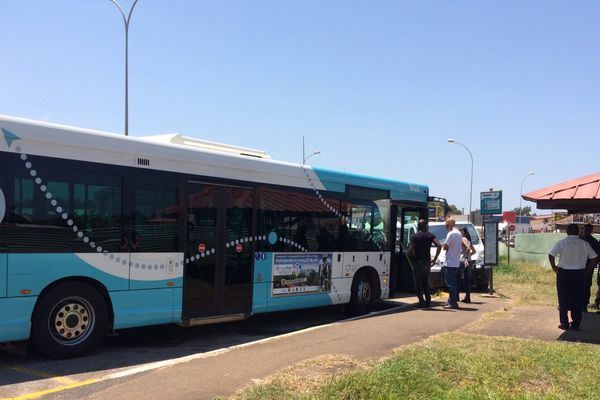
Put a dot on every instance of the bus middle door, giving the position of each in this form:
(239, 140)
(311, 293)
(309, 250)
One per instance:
(218, 252)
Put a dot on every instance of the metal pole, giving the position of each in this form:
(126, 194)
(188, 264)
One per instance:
(508, 245)
(303, 157)
(471, 190)
(521, 195)
(126, 22)
(314, 153)
(491, 280)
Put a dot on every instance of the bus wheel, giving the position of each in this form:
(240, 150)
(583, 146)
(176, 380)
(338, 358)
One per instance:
(69, 320)
(361, 295)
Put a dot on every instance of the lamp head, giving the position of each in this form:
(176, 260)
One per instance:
(450, 140)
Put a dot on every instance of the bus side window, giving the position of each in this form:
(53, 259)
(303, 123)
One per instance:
(156, 211)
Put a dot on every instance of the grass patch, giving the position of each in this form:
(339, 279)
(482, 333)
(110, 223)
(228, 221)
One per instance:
(301, 380)
(457, 366)
(526, 283)
(529, 284)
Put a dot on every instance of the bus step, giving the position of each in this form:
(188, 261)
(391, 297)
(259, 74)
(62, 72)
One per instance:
(211, 320)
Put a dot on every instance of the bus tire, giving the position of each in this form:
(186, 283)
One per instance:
(69, 320)
(361, 295)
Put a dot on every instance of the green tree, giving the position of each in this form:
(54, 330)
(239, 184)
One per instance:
(525, 211)
(454, 210)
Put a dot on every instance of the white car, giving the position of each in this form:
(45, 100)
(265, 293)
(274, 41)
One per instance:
(480, 275)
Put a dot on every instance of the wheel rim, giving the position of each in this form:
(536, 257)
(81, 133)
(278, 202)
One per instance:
(364, 292)
(71, 321)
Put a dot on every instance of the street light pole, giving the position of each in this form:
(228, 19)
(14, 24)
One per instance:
(521, 195)
(450, 140)
(126, 22)
(316, 152)
(304, 158)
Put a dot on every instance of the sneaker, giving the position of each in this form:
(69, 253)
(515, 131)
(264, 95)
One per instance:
(564, 327)
(451, 306)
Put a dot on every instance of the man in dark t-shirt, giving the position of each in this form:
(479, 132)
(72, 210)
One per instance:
(420, 250)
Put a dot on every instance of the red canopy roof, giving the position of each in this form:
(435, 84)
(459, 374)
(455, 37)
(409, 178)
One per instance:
(577, 196)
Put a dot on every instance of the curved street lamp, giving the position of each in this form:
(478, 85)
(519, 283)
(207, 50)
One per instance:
(126, 21)
(521, 195)
(316, 152)
(450, 140)
(304, 157)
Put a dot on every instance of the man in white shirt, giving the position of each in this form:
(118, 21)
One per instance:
(575, 255)
(453, 247)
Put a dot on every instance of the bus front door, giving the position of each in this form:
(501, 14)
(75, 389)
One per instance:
(218, 251)
(406, 227)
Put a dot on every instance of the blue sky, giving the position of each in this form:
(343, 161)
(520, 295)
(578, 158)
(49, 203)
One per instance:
(378, 87)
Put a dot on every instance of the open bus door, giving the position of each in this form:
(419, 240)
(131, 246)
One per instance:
(406, 219)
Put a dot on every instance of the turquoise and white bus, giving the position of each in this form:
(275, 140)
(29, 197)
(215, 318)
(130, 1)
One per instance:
(100, 232)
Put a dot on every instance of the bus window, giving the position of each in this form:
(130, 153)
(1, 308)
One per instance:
(156, 212)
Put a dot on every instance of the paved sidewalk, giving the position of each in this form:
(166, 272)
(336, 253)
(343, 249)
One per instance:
(370, 338)
(540, 323)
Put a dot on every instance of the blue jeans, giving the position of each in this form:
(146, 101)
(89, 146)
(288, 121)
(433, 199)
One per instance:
(451, 275)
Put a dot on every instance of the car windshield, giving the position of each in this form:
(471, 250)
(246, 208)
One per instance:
(440, 232)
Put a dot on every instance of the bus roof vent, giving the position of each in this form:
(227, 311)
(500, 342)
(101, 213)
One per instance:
(175, 138)
(143, 161)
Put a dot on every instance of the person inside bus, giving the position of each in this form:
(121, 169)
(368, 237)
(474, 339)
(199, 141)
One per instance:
(343, 240)
(300, 236)
(324, 240)
(466, 263)
(129, 242)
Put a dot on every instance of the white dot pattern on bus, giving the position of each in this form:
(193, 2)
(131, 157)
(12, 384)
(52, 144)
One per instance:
(272, 238)
(78, 232)
(331, 208)
(124, 262)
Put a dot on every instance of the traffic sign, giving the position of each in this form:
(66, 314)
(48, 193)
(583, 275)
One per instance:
(491, 202)
(512, 228)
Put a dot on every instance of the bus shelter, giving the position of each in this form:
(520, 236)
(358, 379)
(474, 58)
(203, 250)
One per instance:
(577, 196)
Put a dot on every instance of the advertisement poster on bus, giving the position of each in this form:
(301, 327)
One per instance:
(301, 273)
